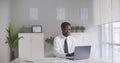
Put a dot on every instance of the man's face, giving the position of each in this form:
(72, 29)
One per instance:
(66, 31)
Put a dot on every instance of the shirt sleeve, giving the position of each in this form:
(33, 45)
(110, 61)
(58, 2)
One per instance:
(57, 51)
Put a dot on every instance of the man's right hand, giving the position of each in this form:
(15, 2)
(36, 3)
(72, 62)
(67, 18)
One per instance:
(69, 54)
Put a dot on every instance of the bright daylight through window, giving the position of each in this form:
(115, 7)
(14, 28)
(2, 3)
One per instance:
(111, 41)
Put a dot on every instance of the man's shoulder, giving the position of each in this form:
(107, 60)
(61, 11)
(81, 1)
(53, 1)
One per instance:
(71, 37)
(59, 36)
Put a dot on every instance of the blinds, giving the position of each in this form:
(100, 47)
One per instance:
(105, 11)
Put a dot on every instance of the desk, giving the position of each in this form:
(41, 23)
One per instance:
(58, 60)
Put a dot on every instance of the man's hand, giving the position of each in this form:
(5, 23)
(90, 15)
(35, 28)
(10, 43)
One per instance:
(70, 54)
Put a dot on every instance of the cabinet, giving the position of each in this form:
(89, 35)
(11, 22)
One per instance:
(31, 45)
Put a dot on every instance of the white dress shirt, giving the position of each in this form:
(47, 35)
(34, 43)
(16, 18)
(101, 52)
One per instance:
(59, 45)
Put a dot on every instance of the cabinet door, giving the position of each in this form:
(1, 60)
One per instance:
(37, 45)
(24, 46)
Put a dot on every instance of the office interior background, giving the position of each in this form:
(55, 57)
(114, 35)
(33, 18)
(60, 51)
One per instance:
(100, 17)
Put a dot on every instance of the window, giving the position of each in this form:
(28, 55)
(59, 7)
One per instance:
(111, 41)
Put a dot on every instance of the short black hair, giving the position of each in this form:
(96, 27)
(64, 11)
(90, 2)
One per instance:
(64, 24)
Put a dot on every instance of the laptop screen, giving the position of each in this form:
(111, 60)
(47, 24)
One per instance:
(82, 52)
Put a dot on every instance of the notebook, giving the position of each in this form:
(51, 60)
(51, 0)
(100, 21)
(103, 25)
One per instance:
(81, 52)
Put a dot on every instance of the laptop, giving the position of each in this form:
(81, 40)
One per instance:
(81, 52)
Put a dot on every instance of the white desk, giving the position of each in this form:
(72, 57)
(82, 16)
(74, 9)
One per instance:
(57, 60)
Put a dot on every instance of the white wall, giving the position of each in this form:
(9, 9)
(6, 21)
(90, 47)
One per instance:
(4, 19)
(47, 13)
(106, 11)
(89, 38)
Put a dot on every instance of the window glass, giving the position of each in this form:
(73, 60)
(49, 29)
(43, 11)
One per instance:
(116, 32)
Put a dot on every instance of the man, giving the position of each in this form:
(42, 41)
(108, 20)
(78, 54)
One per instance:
(64, 44)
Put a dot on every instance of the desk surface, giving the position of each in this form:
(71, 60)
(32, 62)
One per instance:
(57, 60)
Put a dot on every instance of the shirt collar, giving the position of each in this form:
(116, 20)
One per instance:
(65, 37)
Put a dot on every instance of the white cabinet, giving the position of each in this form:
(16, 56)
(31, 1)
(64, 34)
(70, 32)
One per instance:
(31, 45)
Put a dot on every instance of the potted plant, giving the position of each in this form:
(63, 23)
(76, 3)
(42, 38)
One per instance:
(12, 39)
(72, 28)
(77, 28)
(82, 28)
(49, 40)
